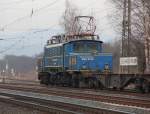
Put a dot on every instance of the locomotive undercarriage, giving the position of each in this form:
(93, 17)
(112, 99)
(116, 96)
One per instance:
(139, 83)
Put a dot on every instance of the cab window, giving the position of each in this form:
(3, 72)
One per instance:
(92, 47)
(79, 47)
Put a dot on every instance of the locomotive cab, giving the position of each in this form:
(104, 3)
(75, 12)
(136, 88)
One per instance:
(86, 55)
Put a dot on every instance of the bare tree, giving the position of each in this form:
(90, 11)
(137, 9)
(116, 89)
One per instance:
(69, 15)
(139, 42)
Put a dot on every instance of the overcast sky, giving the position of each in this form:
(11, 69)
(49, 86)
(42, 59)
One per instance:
(25, 32)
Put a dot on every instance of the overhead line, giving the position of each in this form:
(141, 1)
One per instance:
(14, 2)
(10, 47)
(48, 5)
(18, 41)
(29, 15)
(11, 3)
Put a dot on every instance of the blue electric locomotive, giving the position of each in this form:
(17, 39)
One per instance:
(74, 61)
(78, 60)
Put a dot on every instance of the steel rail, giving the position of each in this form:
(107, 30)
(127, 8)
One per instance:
(54, 107)
(36, 106)
(130, 101)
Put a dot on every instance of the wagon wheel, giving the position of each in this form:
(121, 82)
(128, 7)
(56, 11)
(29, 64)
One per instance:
(75, 82)
(146, 87)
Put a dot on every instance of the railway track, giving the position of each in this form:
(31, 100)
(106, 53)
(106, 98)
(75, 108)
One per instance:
(53, 107)
(15, 100)
(37, 83)
(102, 97)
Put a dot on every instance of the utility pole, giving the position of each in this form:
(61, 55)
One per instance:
(126, 33)
(147, 36)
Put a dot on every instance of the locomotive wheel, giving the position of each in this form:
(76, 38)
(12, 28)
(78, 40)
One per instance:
(93, 83)
(146, 87)
(69, 82)
(75, 83)
(96, 83)
(90, 84)
(44, 79)
(100, 86)
(121, 88)
(51, 80)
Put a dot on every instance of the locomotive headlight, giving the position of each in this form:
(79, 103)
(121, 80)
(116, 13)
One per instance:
(106, 66)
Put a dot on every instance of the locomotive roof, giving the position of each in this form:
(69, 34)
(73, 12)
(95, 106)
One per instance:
(61, 44)
(85, 40)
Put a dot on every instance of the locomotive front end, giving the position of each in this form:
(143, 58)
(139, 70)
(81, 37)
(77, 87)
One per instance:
(87, 56)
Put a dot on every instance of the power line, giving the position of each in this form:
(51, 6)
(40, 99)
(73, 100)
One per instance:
(11, 3)
(14, 44)
(14, 2)
(10, 47)
(7, 38)
(46, 6)
(29, 15)
(85, 8)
